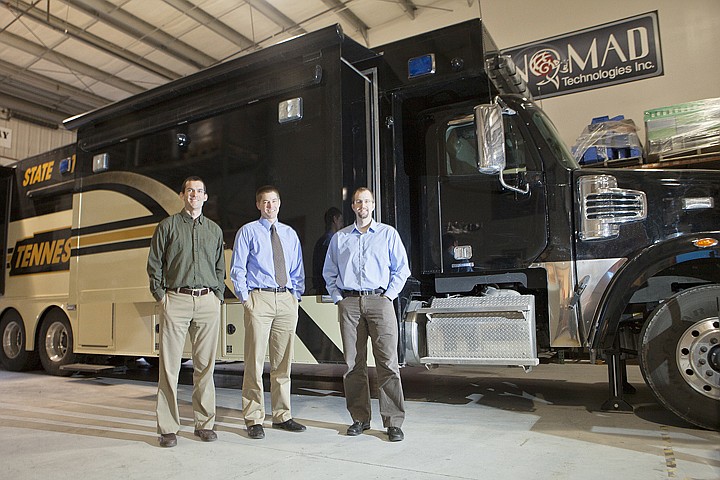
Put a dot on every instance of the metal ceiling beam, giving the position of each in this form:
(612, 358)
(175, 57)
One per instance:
(276, 16)
(131, 25)
(10, 72)
(409, 8)
(344, 12)
(204, 18)
(32, 109)
(60, 105)
(27, 10)
(66, 62)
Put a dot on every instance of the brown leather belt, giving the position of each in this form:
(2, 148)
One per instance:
(195, 292)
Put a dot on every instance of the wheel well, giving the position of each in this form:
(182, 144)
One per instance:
(632, 292)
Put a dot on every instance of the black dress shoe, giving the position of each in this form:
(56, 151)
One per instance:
(206, 435)
(168, 440)
(290, 425)
(357, 428)
(395, 434)
(256, 431)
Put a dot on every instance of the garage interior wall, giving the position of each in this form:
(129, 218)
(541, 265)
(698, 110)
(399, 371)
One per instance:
(29, 139)
(688, 32)
(688, 35)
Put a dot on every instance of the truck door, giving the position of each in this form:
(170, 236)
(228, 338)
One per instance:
(473, 223)
(6, 176)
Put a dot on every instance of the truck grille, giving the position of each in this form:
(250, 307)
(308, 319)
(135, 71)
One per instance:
(614, 205)
(604, 207)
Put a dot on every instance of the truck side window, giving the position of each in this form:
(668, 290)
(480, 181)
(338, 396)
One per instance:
(515, 147)
(461, 148)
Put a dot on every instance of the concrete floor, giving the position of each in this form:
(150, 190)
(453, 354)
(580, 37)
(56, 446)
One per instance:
(495, 423)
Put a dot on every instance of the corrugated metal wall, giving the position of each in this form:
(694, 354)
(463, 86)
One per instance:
(25, 139)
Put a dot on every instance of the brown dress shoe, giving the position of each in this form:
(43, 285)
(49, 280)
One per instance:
(206, 435)
(168, 440)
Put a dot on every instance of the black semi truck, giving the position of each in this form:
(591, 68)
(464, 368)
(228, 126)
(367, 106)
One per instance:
(515, 251)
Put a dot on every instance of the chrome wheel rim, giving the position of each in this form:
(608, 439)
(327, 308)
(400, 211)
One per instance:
(12, 340)
(56, 342)
(698, 351)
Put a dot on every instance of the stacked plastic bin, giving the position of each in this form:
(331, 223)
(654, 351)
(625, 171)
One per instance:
(608, 139)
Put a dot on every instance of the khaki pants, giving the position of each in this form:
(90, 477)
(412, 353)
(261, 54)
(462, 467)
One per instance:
(372, 316)
(269, 317)
(199, 316)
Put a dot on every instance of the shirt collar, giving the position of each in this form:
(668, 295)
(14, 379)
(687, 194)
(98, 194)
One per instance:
(372, 228)
(186, 216)
(267, 224)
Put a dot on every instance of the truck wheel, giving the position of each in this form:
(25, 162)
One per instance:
(55, 343)
(13, 354)
(680, 355)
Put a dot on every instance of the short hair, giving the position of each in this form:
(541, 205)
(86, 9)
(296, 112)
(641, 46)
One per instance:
(192, 178)
(266, 189)
(330, 216)
(363, 189)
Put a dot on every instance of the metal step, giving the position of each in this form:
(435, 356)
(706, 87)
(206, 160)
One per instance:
(90, 368)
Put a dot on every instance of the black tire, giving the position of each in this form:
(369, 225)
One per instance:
(680, 355)
(13, 354)
(55, 343)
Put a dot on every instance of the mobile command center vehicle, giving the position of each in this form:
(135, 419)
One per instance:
(514, 249)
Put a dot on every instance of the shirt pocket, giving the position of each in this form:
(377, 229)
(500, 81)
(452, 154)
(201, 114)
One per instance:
(207, 246)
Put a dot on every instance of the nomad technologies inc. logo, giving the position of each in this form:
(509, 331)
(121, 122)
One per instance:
(545, 64)
(601, 56)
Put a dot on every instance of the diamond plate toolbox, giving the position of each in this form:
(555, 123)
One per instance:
(497, 329)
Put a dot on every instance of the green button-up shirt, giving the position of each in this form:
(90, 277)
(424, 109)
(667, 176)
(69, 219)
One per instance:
(186, 253)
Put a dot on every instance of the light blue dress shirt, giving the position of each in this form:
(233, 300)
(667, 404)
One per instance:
(366, 261)
(252, 259)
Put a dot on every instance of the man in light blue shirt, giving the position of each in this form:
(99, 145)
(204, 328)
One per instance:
(365, 269)
(268, 277)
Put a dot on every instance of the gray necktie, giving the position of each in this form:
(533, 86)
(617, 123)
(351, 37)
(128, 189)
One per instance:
(278, 257)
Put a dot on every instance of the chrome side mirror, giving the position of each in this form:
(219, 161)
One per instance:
(491, 139)
(491, 143)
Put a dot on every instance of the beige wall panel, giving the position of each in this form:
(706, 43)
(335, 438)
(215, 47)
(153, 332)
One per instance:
(29, 139)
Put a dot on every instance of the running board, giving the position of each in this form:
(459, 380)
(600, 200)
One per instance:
(90, 368)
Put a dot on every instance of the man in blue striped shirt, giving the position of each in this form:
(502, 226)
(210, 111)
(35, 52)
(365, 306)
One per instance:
(269, 279)
(365, 269)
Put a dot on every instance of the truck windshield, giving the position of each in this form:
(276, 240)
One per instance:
(549, 133)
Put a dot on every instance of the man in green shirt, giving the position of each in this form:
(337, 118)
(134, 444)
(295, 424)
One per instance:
(186, 265)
